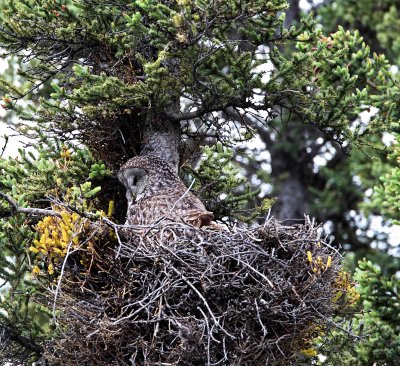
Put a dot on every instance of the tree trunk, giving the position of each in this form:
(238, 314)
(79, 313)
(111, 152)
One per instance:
(291, 170)
(162, 138)
(161, 134)
(292, 200)
(292, 13)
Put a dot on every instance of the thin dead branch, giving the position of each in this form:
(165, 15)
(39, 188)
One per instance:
(186, 296)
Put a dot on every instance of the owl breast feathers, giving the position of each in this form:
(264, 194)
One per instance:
(156, 194)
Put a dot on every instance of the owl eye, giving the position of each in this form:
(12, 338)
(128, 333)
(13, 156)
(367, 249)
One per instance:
(131, 180)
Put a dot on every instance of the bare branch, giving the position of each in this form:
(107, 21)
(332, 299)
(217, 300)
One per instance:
(28, 210)
(8, 333)
(175, 294)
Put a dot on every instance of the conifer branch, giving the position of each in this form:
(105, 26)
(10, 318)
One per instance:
(28, 210)
(8, 333)
(204, 109)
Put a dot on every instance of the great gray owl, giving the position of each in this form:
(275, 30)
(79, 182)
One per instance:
(156, 194)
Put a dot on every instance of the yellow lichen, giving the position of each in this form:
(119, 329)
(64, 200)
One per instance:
(328, 262)
(309, 352)
(347, 294)
(57, 236)
(184, 2)
(111, 208)
(181, 37)
(177, 20)
(317, 265)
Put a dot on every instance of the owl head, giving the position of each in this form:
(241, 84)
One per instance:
(144, 175)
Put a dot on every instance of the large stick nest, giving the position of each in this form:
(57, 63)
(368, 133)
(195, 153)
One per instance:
(185, 296)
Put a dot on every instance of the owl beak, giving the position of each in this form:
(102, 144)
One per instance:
(130, 196)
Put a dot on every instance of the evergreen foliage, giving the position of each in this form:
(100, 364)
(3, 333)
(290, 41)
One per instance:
(375, 321)
(376, 318)
(113, 64)
(219, 183)
(54, 171)
(377, 20)
(95, 76)
(23, 323)
(387, 195)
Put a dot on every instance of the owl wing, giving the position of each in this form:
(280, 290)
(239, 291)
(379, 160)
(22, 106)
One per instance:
(198, 218)
(192, 211)
(171, 205)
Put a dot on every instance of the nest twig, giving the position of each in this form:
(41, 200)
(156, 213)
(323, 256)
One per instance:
(184, 296)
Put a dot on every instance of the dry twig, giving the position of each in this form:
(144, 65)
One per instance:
(186, 296)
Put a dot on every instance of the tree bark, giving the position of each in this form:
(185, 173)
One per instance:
(162, 133)
(292, 201)
(292, 153)
(161, 137)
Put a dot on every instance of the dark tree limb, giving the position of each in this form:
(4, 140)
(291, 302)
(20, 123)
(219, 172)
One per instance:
(28, 210)
(9, 333)
(292, 13)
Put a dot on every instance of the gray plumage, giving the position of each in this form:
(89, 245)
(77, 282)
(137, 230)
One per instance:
(156, 194)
